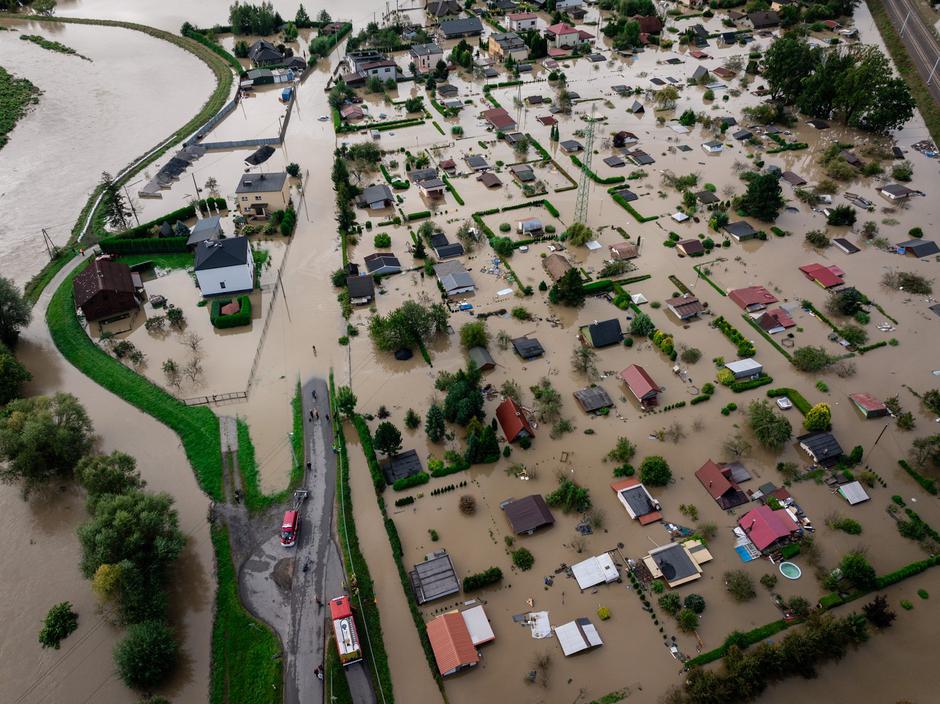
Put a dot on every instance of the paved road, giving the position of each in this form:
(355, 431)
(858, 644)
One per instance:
(920, 42)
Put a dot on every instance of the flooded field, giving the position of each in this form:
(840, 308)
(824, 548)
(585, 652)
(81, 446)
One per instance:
(305, 327)
(81, 123)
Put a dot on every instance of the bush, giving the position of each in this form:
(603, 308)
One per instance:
(233, 320)
(382, 240)
(691, 355)
(505, 227)
(687, 620)
(479, 580)
(655, 471)
(146, 655)
(569, 497)
(523, 559)
(671, 603)
(695, 602)
(603, 613)
(58, 625)
(412, 481)
(740, 585)
(747, 384)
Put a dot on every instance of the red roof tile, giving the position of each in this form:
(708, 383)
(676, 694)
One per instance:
(825, 276)
(764, 526)
(714, 480)
(752, 296)
(639, 382)
(451, 643)
(512, 420)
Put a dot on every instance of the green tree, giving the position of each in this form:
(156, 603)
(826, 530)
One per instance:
(671, 603)
(870, 96)
(474, 335)
(642, 325)
(623, 452)
(387, 438)
(857, 570)
(811, 359)
(771, 429)
(695, 602)
(42, 437)
(434, 423)
(412, 419)
(58, 625)
(787, 62)
(764, 197)
(655, 471)
(523, 559)
(568, 290)
(464, 400)
(113, 205)
(740, 585)
(101, 475)
(346, 401)
(854, 335)
(687, 620)
(15, 312)
(818, 418)
(584, 361)
(412, 323)
(482, 446)
(414, 104)
(12, 375)
(44, 7)
(579, 234)
(147, 655)
(302, 19)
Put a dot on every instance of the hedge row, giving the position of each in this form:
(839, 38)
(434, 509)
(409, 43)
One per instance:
(479, 580)
(412, 481)
(927, 484)
(234, 320)
(420, 215)
(745, 346)
(802, 405)
(767, 336)
(886, 580)
(869, 348)
(453, 191)
(600, 286)
(719, 289)
(214, 47)
(395, 183)
(748, 384)
(619, 200)
(148, 228)
(459, 464)
(143, 245)
(594, 177)
(741, 640)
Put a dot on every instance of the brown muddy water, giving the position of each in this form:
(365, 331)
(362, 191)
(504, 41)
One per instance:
(302, 340)
(92, 117)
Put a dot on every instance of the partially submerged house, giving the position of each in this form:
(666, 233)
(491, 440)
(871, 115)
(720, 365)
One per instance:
(462, 27)
(523, 173)
(576, 636)
(361, 289)
(719, 481)
(564, 36)
(593, 399)
(502, 45)
(775, 321)
(401, 466)
(677, 563)
(105, 290)
(638, 502)
(528, 347)
(375, 197)
(224, 266)
(602, 334)
(556, 265)
(744, 369)
(426, 56)
(528, 514)
(685, 307)
(868, 405)
(513, 421)
(740, 230)
(499, 119)
(599, 569)
(258, 194)
(454, 278)
(896, 191)
(767, 528)
(451, 642)
(826, 276)
(822, 447)
(623, 250)
(481, 357)
(434, 578)
(919, 248)
(209, 228)
(264, 53)
(764, 19)
(752, 298)
(522, 21)
(641, 385)
(691, 247)
(854, 493)
(382, 264)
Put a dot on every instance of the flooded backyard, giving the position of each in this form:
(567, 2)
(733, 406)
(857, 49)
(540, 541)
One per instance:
(41, 553)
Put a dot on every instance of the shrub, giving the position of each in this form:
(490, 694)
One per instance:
(479, 580)
(671, 603)
(412, 481)
(695, 602)
(769, 581)
(233, 320)
(523, 559)
(382, 240)
(505, 227)
(655, 471)
(740, 585)
(603, 613)
(467, 505)
(569, 497)
(146, 655)
(687, 620)
(691, 355)
(58, 625)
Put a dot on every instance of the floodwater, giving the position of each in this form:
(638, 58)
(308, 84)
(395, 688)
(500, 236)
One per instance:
(305, 326)
(92, 117)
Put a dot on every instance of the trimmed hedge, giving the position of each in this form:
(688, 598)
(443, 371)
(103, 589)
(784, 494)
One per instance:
(472, 582)
(874, 346)
(412, 481)
(601, 286)
(745, 346)
(242, 317)
(619, 200)
(750, 321)
(450, 187)
(143, 245)
(212, 46)
(802, 405)
(365, 437)
(746, 385)
(698, 270)
(914, 568)
(594, 177)
(420, 215)
(552, 210)
(927, 484)
(740, 639)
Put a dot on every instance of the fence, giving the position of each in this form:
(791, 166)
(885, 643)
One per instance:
(216, 398)
(213, 121)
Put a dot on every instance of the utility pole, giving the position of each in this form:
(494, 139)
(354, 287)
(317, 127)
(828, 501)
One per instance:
(51, 249)
(584, 183)
(131, 203)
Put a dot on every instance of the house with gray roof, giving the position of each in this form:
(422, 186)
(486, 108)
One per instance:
(454, 278)
(375, 197)
(224, 266)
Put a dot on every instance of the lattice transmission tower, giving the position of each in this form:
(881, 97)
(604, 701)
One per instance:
(584, 184)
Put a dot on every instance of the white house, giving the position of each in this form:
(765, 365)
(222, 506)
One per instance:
(567, 4)
(224, 266)
(713, 147)
(745, 368)
(521, 21)
(426, 56)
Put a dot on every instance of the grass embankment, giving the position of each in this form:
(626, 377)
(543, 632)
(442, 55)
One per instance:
(16, 95)
(335, 684)
(224, 78)
(246, 662)
(367, 616)
(255, 498)
(925, 101)
(197, 426)
(51, 45)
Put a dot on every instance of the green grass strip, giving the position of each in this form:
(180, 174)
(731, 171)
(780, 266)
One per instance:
(594, 177)
(925, 101)
(334, 677)
(197, 426)
(246, 654)
(621, 201)
(16, 94)
(698, 270)
(450, 187)
(51, 45)
(766, 336)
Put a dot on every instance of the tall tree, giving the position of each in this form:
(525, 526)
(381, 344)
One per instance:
(12, 375)
(115, 209)
(42, 437)
(346, 401)
(568, 290)
(434, 423)
(764, 197)
(103, 475)
(387, 438)
(15, 312)
(771, 429)
(788, 61)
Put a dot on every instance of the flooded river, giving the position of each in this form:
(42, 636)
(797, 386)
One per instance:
(302, 340)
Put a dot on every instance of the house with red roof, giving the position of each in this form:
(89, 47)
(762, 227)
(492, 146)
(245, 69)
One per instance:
(767, 528)
(868, 405)
(719, 482)
(775, 320)
(452, 645)
(825, 276)
(564, 36)
(513, 421)
(641, 384)
(752, 298)
(499, 119)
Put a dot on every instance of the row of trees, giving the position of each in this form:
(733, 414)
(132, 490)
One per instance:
(854, 85)
(261, 19)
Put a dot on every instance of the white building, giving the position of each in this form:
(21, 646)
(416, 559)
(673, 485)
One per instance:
(521, 21)
(224, 266)
(426, 56)
(259, 194)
